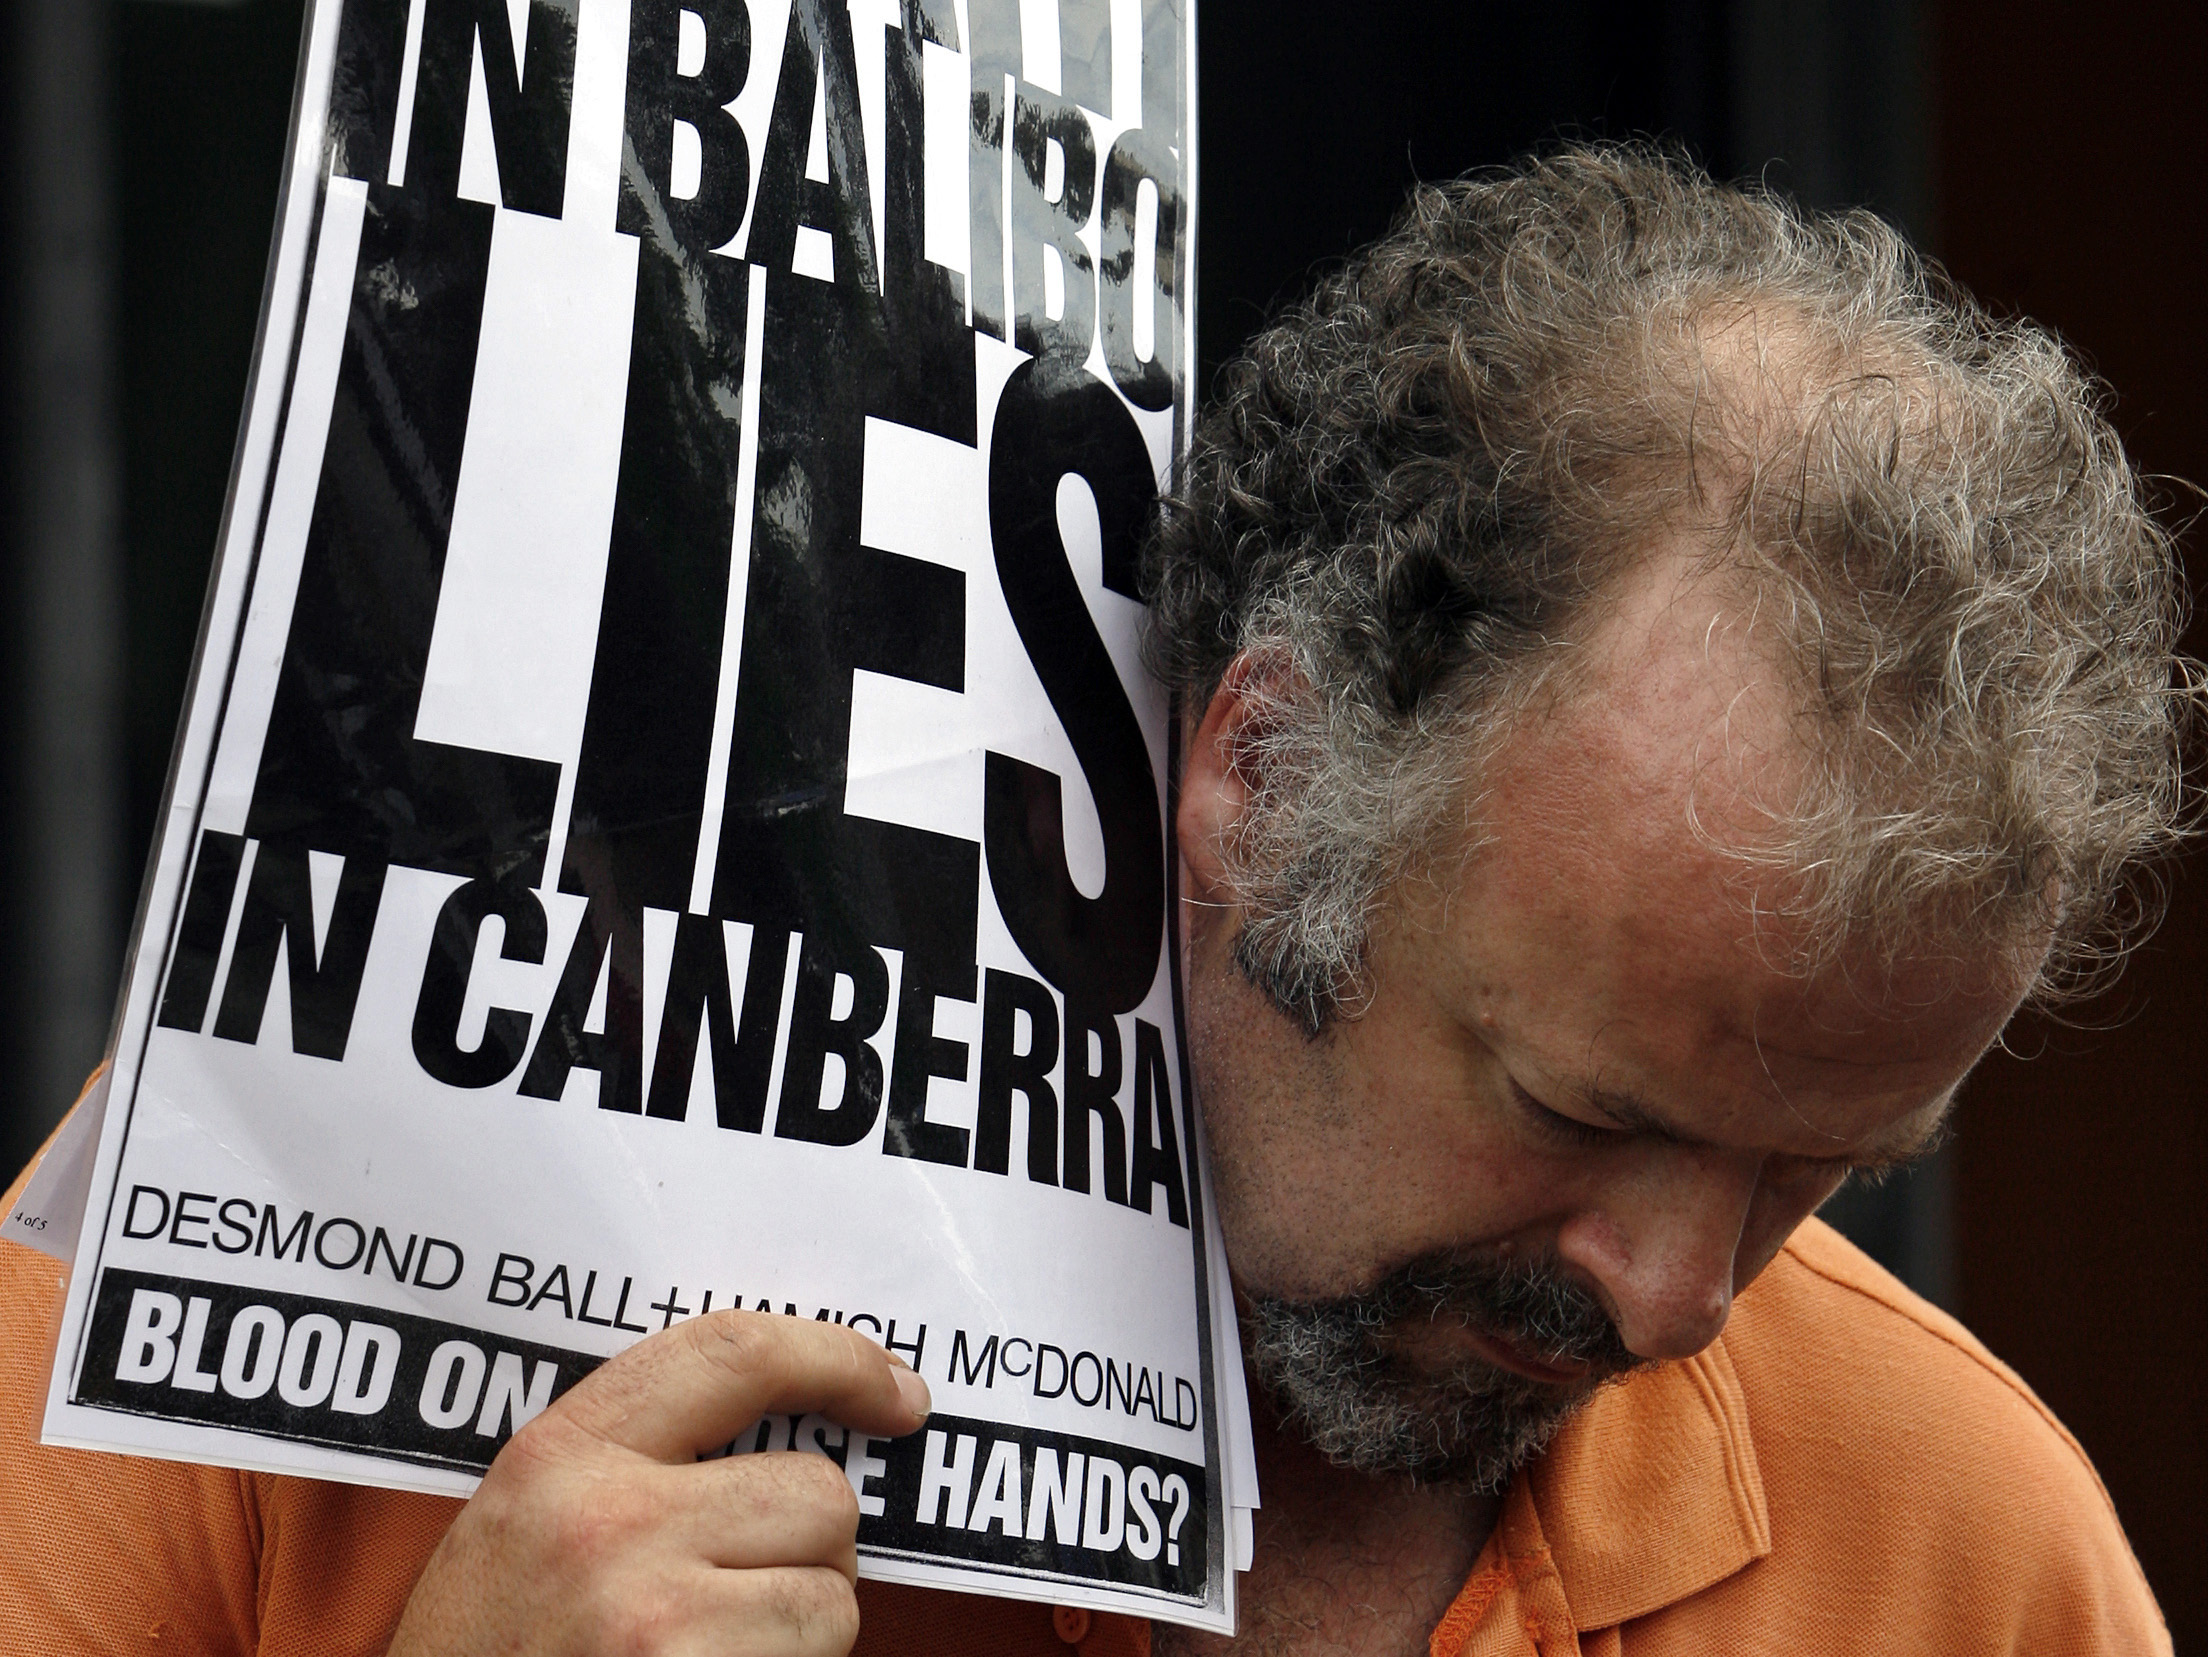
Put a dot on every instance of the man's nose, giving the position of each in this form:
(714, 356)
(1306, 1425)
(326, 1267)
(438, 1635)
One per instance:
(1661, 1252)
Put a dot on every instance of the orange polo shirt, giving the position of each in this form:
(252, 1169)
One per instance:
(1846, 1469)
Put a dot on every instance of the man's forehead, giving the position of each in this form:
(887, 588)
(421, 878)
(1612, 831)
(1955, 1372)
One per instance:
(1651, 799)
(1608, 916)
(1667, 732)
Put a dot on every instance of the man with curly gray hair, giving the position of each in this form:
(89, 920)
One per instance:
(1665, 677)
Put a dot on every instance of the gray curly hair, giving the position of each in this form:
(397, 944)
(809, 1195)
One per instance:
(1415, 485)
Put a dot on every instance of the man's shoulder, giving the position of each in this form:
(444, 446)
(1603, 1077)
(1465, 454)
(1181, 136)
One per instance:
(1842, 1364)
(1886, 1435)
(199, 1558)
(1847, 1468)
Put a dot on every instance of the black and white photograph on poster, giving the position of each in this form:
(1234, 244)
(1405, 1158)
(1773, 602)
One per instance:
(671, 814)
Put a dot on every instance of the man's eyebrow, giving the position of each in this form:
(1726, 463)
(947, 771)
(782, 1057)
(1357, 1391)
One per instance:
(1905, 1149)
(1630, 1113)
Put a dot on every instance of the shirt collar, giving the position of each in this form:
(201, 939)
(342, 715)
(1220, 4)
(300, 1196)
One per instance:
(1652, 1493)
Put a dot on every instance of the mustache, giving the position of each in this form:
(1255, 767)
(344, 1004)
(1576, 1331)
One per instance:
(1339, 1370)
(1530, 1300)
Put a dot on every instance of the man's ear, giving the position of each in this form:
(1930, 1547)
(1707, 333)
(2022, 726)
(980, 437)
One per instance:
(1217, 778)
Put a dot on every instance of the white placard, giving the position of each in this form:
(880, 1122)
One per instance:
(670, 812)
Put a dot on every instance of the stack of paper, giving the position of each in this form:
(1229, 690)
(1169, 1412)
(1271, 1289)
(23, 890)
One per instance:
(671, 814)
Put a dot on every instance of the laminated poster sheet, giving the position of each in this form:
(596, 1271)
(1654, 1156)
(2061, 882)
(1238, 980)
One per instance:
(670, 813)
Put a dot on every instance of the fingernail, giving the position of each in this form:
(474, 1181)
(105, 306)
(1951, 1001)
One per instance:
(913, 1391)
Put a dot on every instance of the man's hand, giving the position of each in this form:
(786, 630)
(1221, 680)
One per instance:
(598, 1531)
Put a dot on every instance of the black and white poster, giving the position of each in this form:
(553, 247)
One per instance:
(670, 813)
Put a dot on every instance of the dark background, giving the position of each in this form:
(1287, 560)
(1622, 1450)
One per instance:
(2049, 153)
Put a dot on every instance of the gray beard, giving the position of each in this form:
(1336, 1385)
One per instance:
(1334, 1371)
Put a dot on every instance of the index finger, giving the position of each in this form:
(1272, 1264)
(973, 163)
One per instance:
(696, 1386)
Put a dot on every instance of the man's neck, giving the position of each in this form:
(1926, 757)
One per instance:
(1345, 1562)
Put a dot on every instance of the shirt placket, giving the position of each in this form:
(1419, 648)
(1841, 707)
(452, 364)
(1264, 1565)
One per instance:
(1512, 1605)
